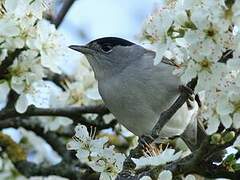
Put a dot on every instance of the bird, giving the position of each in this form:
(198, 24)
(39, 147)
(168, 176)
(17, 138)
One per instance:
(133, 88)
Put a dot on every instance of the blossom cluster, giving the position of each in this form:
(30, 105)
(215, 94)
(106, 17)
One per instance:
(155, 156)
(35, 51)
(94, 152)
(34, 46)
(205, 44)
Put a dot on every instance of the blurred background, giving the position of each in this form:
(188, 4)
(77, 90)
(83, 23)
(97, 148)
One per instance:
(91, 19)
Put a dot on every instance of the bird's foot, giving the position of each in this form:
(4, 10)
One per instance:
(145, 140)
(187, 90)
(197, 99)
(190, 93)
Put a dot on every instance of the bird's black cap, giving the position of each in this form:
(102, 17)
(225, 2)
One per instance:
(105, 43)
(112, 41)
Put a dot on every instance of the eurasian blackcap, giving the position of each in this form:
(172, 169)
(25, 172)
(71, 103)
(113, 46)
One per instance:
(134, 89)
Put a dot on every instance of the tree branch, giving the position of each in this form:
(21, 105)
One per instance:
(52, 139)
(65, 8)
(199, 162)
(70, 112)
(63, 169)
(75, 113)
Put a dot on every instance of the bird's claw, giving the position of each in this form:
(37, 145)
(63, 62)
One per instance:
(189, 104)
(144, 140)
(191, 96)
(188, 91)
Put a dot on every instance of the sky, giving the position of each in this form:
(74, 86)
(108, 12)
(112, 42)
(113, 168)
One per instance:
(91, 19)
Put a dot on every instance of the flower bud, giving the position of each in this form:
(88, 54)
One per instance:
(229, 136)
(216, 138)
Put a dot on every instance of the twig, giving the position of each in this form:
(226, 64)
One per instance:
(70, 112)
(8, 62)
(65, 8)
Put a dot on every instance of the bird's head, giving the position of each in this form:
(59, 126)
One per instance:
(109, 55)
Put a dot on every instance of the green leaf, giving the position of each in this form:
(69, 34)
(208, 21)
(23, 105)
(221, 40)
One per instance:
(230, 158)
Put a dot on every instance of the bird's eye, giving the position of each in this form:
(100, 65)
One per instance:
(106, 48)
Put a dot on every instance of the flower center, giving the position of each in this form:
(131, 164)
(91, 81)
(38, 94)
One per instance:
(210, 32)
(206, 65)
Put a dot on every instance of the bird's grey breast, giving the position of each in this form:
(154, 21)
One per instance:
(138, 94)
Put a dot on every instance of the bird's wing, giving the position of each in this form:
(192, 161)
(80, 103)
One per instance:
(154, 83)
(140, 93)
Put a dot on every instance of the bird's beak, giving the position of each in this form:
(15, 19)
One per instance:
(82, 49)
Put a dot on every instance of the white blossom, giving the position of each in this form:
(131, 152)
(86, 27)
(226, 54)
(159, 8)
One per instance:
(145, 178)
(43, 153)
(36, 94)
(54, 123)
(21, 8)
(190, 177)
(200, 41)
(85, 144)
(108, 163)
(23, 27)
(162, 158)
(8, 27)
(48, 178)
(84, 89)
(165, 175)
(155, 30)
(25, 70)
(4, 91)
(48, 42)
(94, 152)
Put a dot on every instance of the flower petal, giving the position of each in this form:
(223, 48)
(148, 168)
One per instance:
(213, 124)
(22, 104)
(165, 175)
